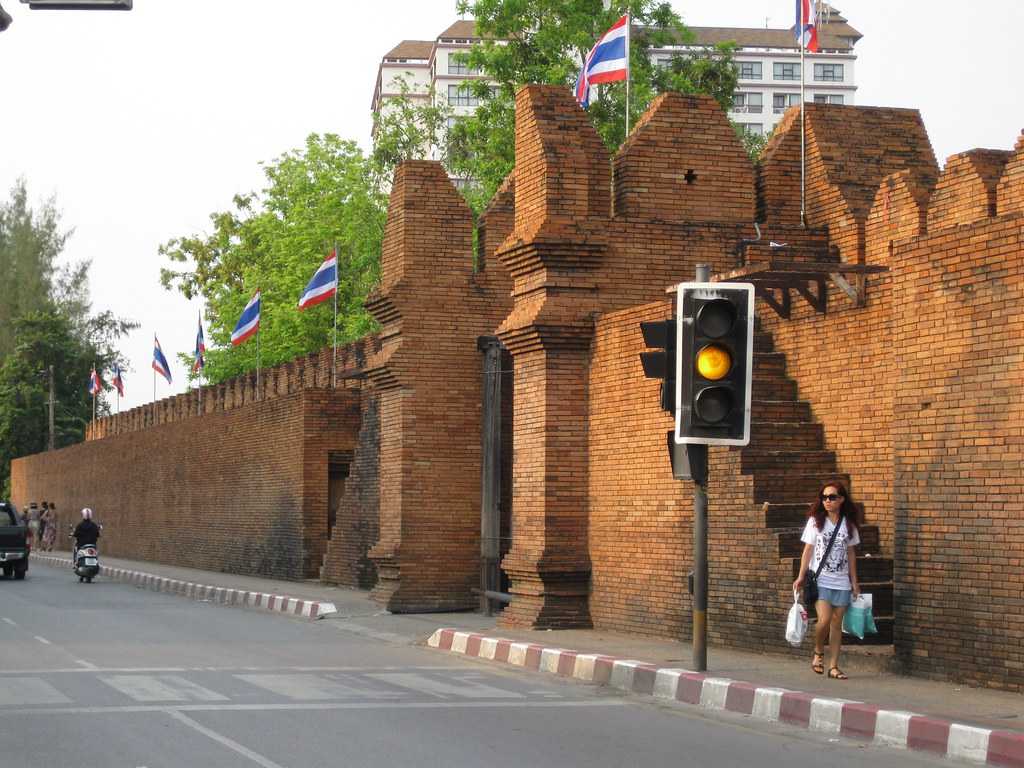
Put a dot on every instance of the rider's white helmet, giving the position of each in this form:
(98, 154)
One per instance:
(86, 514)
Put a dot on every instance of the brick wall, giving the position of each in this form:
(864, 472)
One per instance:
(432, 306)
(357, 527)
(959, 448)
(306, 371)
(240, 491)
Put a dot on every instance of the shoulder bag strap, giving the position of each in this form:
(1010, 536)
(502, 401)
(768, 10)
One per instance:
(828, 549)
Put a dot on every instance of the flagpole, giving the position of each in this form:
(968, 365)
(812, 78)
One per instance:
(258, 349)
(803, 122)
(337, 284)
(629, 72)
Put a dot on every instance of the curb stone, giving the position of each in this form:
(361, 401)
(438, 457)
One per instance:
(292, 606)
(851, 719)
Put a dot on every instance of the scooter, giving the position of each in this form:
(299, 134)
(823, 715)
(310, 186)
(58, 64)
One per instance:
(87, 563)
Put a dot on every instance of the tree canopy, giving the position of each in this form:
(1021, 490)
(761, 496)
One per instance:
(324, 195)
(30, 241)
(45, 320)
(545, 41)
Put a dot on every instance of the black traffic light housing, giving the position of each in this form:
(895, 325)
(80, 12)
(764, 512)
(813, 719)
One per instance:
(661, 363)
(715, 363)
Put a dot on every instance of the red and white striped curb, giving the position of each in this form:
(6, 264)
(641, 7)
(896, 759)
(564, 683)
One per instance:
(293, 606)
(837, 716)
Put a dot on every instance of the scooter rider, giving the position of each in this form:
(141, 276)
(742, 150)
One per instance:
(86, 532)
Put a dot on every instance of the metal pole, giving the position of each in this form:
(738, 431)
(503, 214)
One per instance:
(258, 352)
(803, 124)
(700, 548)
(629, 23)
(337, 284)
(53, 406)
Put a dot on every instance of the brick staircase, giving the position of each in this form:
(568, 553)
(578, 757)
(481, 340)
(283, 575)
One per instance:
(787, 461)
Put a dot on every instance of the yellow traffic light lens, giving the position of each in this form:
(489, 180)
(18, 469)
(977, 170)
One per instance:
(714, 362)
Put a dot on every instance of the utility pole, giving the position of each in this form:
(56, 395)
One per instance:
(53, 406)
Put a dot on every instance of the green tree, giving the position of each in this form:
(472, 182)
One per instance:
(47, 336)
(407, 127)
(545, 41)
(324, 194)
(30, 241)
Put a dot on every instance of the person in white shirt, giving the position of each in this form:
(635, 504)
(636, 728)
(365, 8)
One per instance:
(837, 577)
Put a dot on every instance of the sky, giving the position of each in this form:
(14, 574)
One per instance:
(142, 123)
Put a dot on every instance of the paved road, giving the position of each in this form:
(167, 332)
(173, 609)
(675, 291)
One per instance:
(108, 675)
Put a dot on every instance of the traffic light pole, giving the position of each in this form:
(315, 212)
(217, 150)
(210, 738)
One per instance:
(698, 464)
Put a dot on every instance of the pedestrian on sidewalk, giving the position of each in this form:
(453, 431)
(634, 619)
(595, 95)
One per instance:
(44, 518)
(50, 531)
(33, 524)
(833, 512)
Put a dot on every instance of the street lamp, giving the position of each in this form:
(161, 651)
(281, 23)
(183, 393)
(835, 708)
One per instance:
(79, 5)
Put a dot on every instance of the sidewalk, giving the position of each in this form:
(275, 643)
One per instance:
(869, 681)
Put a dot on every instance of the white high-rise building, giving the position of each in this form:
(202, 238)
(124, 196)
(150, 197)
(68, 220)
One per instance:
(769, 68)
(768, 61)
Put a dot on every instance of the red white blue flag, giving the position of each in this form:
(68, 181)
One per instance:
(95, 383)
(607, 61)
(249, 322)
(807, 24)
(199, 356)
(118, 380)
(159, 361)
(323, 284)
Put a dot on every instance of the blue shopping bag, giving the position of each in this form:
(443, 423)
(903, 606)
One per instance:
(858, 619)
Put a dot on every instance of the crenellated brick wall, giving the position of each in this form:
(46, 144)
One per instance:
(912, 393)
(240, 491)
(305, 372)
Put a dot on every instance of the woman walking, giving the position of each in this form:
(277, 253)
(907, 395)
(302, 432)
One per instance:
(833, 518)
(50, 531)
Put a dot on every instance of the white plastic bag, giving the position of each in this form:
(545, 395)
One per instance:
(796, 624)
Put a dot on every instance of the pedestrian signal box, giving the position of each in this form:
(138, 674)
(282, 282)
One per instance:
(714, 363)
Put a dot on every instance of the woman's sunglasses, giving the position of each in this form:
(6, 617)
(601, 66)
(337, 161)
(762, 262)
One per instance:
(830, 497)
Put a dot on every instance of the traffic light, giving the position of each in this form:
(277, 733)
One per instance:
(661, 364)
(715, 363)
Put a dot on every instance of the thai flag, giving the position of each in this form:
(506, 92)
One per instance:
(249, 322)
(323, 284)
(199, 356)
(159, 361)
(807, 15)
(95, 383)
(607, 61)
(118, 381)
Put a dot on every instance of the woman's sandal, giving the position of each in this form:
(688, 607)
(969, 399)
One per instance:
(835, 673)
(818, 663)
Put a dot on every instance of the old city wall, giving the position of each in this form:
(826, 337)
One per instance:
(313, 370)
(682, 192)
(433, 305)
(958, 429)
(841, 359)
(241, 490)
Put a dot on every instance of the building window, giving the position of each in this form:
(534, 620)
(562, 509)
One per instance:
(828, 98)
(831, 73)
(460, 96)
(783, 101)
(751, 103)
(750, 70)
(662, 62)
(457, 66)
(786, 71)
(753, 129)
